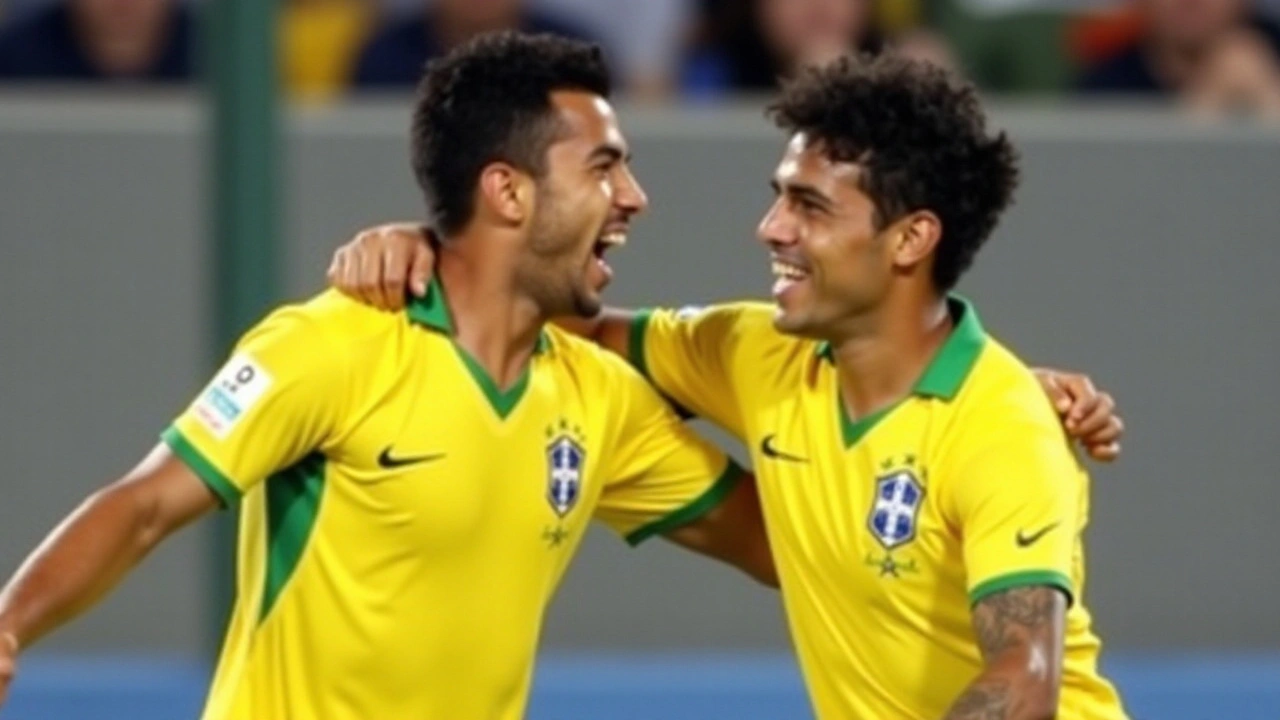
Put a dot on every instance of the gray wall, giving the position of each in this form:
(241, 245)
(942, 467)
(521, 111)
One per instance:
(1141, 249)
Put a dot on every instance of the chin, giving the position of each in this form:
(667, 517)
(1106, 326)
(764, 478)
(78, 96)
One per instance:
(792, 323)
(587, 306)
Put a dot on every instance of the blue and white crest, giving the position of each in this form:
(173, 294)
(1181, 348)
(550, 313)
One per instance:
(565, 459)
(893, 515)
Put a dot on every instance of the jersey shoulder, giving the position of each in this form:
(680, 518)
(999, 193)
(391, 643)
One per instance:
(595, 368)
(748, 336)
(1002, 388)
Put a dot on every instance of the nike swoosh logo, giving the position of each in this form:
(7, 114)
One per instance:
(766, 447)
(387, 462)
(1033, 538)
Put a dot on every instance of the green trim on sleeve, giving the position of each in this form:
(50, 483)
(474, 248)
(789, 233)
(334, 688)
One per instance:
(635, 344)
(694, 510)
(221, 486)
(1052, 578)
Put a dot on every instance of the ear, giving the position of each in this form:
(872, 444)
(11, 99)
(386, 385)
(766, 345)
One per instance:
(506, 194)
(916, 238)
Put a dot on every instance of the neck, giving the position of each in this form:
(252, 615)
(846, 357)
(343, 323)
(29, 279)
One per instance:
(129, 51)
(494, 323)
(882, 356)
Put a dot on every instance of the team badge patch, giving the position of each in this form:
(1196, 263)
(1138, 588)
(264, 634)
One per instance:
(897, 505)
(236, 389)
(565, 461)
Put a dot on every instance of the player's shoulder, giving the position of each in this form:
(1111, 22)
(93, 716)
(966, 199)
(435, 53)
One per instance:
(1003, 390)
(746, 324)
(328, 322)
(583, 358)
(738, 317)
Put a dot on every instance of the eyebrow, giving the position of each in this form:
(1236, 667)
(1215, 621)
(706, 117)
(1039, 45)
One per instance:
(612, 153)
(804, 192)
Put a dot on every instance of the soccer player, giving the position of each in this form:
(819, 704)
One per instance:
(923, 505)
(413, 486)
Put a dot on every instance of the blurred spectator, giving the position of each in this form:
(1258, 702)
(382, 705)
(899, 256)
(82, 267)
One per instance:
(645, 38)
(1213, 54)
(90, 40)
(1011, 46)
(746, 45)
(319, 41)
(396, 54)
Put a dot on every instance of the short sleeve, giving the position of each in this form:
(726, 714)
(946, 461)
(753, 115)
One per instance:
(662, 475)
(688, 355)
(1015, 498)
(275, 400)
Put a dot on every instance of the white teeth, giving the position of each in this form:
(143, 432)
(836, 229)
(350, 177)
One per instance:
(790, 272)
(614, 238)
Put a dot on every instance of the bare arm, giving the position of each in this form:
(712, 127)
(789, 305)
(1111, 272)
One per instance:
(733, 532)
(97, 544)
(1020, 632)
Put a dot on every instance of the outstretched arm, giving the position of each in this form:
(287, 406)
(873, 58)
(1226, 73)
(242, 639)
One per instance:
(94, 548)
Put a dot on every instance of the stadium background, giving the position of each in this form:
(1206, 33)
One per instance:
(1142, 250)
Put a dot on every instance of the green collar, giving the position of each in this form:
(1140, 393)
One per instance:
(951, 365)
(432, 311)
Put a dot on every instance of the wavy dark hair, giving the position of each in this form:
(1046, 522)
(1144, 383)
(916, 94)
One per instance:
(921, 138)
(489, 100)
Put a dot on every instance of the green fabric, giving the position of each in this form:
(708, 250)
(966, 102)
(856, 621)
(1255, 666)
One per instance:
(1051, 578)
(694, 510)
(502, 401)
(293, 502)
(943, 377)
(1009, 52)
(220, 484)
(635, 346)
(432, 311)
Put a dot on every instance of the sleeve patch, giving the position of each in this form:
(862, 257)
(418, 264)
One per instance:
(234, 391)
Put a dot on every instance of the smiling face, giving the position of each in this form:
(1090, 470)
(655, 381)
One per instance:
(585, 202)
(830, 258)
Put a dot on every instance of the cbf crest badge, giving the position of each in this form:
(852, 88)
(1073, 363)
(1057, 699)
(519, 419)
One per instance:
(566, 459)
(899, 496)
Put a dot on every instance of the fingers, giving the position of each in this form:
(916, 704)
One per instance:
(391, 285)
(421, 269)
(1108, 452)
(1092, 418)
(8, 663)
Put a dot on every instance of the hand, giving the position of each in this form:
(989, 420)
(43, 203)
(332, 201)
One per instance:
(381, 265)
(8, 663)
(1088, 415)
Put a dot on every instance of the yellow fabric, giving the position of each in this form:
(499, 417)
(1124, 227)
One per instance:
(400, 538)
(319, 43)
(886, 531)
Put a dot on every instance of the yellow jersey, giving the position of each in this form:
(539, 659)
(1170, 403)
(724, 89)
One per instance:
(887, 530)
(404, 522)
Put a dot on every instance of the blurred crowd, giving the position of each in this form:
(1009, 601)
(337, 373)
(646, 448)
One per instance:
(1213, 55)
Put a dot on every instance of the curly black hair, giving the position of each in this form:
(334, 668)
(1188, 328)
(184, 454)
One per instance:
(490, 100)
(921, 139)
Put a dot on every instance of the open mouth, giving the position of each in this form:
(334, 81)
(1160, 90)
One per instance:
(608, 239)
(786, 276)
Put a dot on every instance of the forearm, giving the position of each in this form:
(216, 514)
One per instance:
(1002, 692)
(78, 563)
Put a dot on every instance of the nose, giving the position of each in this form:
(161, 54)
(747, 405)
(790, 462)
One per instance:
(778, 226)
(628, 195)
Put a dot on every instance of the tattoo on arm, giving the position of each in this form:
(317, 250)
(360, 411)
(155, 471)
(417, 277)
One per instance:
(1019, 633)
